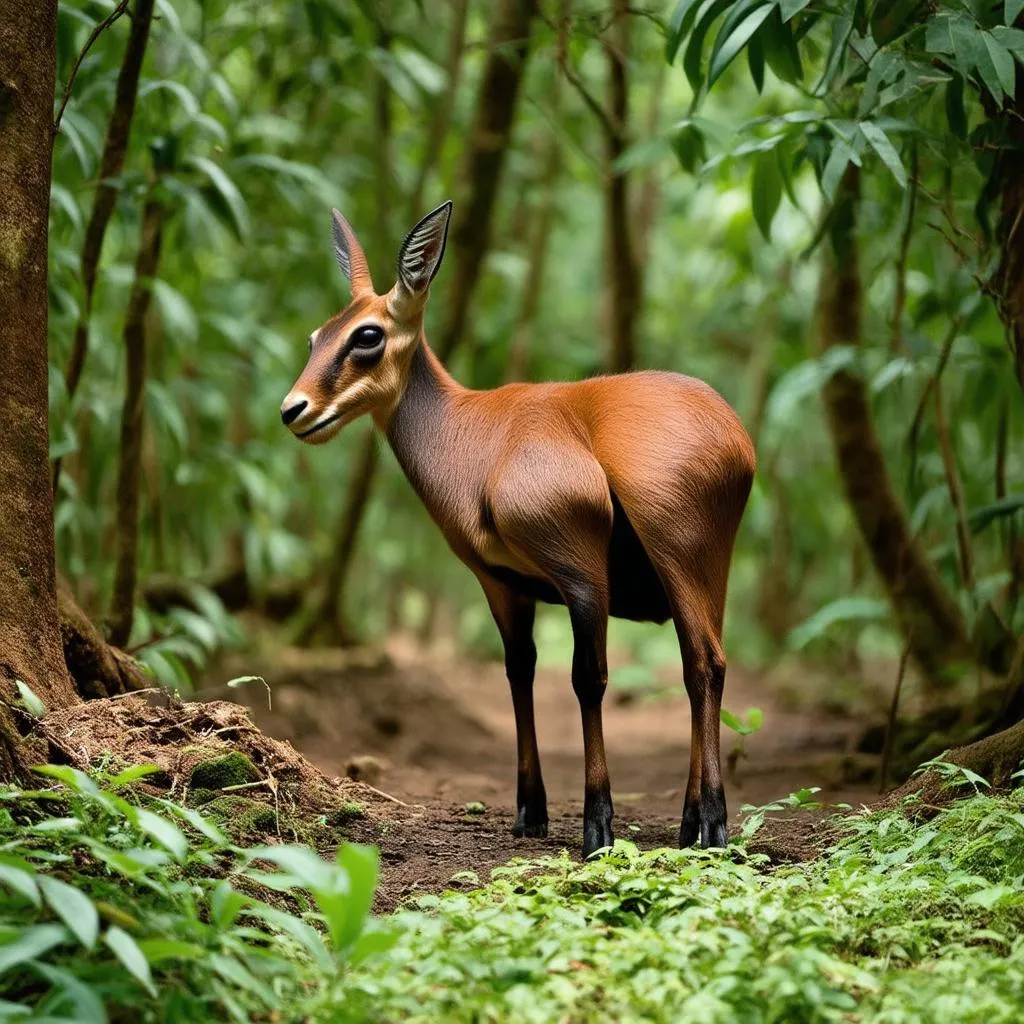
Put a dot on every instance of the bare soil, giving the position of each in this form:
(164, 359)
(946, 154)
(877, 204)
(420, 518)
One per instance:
(435, 734)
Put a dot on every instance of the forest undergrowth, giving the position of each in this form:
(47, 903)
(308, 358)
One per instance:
(117, 906)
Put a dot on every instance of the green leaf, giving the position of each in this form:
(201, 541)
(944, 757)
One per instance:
(197, 821)
(87, 1005)
(362, 864)
(71, 777)
(780, 49)
(842, 29)
(126, 949)
(727, 47)
(29, 701)
(689, 147)
(709, 10)
(158, 950)
(980, 518)
(74, 908)
(766, 191)
(1011, 38)
(880, 143)
(133, 774)
(1011, 10)
(790, 8)
(21, 881)
(755, 61)
(835, 167)
(846, 609)
(682, 19)
(31, 942)
(1000, 62)
(228, 192)
(225, 905)
(163, 831)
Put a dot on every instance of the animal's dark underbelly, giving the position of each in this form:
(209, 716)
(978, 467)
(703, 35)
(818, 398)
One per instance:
(636, 589)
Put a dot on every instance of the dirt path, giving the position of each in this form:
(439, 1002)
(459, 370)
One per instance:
(441, 734)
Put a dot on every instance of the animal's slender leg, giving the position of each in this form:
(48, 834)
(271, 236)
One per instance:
(704, 674)
(514, 616)
(588, 611)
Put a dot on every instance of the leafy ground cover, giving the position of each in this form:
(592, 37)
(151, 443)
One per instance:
(115, 906)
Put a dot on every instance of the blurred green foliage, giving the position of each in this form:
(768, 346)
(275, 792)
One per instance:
(262, 113)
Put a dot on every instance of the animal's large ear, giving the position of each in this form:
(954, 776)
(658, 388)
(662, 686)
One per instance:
(350, 256)
(419, 260)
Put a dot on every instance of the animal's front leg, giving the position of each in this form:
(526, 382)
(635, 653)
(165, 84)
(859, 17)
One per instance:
(514, 615)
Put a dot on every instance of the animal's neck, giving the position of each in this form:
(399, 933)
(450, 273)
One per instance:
(421, 423)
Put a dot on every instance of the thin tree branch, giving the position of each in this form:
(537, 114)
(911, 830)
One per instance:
(922, 403)
(900, 300)
(93, 36)
(956, 490)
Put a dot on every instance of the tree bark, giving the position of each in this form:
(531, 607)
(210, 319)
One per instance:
(115, 148)
(30, 642)
(98, 670)
(508, 46)
(129, 468)
(442, 114)
(1009, 277)
(518, 365)
(927, 614)
(622, 267)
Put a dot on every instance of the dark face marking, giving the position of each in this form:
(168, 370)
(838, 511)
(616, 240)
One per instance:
(328, 353)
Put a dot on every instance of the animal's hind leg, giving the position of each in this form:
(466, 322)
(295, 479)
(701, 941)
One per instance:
(697, 613)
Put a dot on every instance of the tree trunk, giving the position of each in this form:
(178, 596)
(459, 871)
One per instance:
(1009, 278)
(122, 610)
(623, 270)
(508, 47)
(111, 164)
(97, 669)
(649, 198)
(518, 364)
(442, 114)
(927, 615)
(30, 643)
(489, 140)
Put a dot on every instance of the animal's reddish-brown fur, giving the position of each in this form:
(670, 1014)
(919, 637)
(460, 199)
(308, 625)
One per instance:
(614, 495)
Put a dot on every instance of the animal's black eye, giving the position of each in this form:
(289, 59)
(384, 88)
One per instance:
(369, 336)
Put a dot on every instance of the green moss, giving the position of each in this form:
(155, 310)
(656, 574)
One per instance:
(200, 796)
(242, 816)
(232, 769)
(351, 811)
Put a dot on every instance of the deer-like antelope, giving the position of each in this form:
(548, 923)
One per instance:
(618, 495)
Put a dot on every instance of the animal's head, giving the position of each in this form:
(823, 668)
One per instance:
(359, 360)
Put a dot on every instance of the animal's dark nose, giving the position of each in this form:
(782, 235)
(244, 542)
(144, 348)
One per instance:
(293, 412)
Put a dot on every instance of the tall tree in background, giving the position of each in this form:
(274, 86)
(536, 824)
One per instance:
(30, 641)
(539, 229)
(129, 475)
(623, 272)
(508, 48)
(115, 149)
(928, 615)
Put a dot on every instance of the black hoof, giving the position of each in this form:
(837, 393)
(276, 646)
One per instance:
(596, 836)
(689, 829)
(717, 836)
(529, 829)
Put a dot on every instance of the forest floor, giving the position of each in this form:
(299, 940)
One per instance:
(435, 734)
